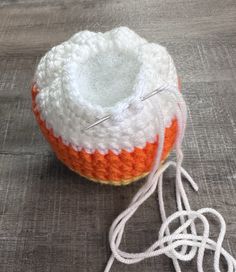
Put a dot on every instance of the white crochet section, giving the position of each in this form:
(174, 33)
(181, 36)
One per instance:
(187, 241)
(95, 74)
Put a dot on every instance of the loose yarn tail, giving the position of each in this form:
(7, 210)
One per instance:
(168, 242)
(185, 236)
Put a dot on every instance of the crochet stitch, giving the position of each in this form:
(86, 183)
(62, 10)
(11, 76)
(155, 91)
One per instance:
(95, 74)
(107, 168)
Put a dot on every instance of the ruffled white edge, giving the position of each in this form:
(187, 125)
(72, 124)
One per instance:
(68, 113)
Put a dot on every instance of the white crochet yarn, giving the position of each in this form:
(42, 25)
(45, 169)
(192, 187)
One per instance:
(184, 243)
(95, 74)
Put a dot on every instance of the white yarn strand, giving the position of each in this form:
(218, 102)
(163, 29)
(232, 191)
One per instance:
(169, 243)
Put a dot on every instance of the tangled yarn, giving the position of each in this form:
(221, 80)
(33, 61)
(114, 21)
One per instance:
(93, 75)
(192, 244)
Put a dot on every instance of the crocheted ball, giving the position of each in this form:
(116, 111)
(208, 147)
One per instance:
(93, 75)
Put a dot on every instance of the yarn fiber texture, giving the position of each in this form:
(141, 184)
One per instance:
(95, 74)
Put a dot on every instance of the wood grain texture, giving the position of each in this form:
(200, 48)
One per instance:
(53, 220)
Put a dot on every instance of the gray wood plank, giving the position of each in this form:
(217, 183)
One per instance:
(53, 220)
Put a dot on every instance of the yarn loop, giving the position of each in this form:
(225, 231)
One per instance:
(191, 243)
(167, 242)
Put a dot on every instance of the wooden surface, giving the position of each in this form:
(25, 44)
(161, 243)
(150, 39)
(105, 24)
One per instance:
(53, 220)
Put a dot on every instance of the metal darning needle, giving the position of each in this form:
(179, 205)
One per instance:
(103, 119)
(98, 121)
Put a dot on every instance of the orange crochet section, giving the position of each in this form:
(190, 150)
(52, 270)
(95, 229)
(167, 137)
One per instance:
(109, 168)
